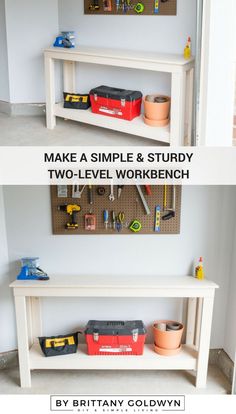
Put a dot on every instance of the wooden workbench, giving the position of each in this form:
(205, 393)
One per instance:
(194, 354)
(181, 70)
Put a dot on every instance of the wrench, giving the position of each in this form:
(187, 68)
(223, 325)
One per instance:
(111, 196)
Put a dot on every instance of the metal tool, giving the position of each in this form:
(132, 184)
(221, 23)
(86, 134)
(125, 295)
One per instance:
(157, 223)
(101, 191)
(105, 218)
(111, 196)
(77, 192)
(113, 220)
(62, 191)
(120, 221)
(119, 190)
(171, 210)
(165, 198)
(90, 195)
(145, 204)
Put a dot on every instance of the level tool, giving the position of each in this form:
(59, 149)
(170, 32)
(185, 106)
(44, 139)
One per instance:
(157, 224)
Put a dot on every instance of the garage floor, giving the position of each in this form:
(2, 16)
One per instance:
(31, 130)
(105, 382)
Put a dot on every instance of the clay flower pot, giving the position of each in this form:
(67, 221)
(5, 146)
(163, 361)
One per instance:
(168, 339)
(157, 108)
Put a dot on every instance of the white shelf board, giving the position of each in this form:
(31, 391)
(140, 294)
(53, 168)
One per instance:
(186, 359)
(135, 127)
(88, 53)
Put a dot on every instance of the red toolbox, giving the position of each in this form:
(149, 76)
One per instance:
(115, 337)
(118, 103)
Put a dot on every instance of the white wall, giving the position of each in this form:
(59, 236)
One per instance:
(218, 74)
(31, 26)
(206, 229)
(230, 333)
(4, 82)
(155, 33)
(7, 316)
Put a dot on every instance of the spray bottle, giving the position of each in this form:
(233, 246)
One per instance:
(199, 272)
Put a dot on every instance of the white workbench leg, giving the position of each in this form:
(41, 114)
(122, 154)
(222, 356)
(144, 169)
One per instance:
(29, 320)
(198, 322)
(50, 92)
(69, 76)
(22, 337)
(189, 106)
(191, 319)
(178, 99)
(36, 318)
(204, 342)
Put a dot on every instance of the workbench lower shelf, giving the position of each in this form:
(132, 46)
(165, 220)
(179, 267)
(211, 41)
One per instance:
(135, 127)
(185, 360)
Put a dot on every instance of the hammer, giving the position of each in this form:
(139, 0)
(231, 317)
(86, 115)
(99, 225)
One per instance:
(171, 210)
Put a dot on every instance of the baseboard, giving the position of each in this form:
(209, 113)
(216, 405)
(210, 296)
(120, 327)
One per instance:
(216, 357)
(22, 109)
(8, 359)
(222, 360)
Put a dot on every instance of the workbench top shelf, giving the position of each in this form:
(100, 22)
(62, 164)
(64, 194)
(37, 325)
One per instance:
(181, 70)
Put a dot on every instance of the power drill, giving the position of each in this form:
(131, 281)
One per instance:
(72, 210)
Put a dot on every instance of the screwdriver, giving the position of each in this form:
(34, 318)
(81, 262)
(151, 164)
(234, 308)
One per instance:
(114, 220)
(105, 218)
(90, 194)
(117, 5)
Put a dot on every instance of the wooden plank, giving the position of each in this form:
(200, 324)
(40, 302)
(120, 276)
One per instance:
(186, 359)
(204, 342)
(23, 341)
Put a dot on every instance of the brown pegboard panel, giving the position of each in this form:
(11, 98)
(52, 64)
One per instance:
(167, 8)
(129, 203)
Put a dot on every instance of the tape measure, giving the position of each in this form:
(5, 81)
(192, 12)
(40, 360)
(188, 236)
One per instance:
(139, 8)
(135, 226)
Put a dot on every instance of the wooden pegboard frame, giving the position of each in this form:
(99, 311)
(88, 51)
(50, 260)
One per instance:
(129, 203)
(168, 8)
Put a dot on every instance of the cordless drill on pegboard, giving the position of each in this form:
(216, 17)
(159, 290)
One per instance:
(72, 210)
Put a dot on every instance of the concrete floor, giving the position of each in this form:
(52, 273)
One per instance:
(31, 130)
(112, 382)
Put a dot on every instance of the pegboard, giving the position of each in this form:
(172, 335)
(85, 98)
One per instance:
(129, 203)
(165, 8)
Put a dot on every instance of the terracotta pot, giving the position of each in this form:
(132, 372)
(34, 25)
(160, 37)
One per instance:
(167, 352)
(167, 339)
(157, 107)
(153, 123)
